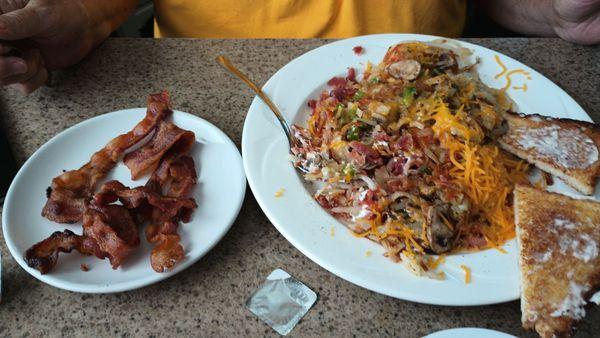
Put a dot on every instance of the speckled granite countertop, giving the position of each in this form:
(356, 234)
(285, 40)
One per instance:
(207, 299)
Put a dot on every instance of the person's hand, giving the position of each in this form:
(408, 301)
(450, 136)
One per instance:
(577, 20)
(26, 70)
(37, 36)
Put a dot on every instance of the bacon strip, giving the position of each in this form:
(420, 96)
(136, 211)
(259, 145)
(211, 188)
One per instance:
(110, 230)
(113, 229)
(178, 173)
(166, 137)
(43, 255)
(166, 253)
(68, 193)
(162, 212)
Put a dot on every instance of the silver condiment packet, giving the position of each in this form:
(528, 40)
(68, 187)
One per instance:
(281, 301)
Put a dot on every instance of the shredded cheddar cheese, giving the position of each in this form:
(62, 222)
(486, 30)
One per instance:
(437, 262)
(502, 251)
(502, 66)
(487, 174)
(523, 87)
(508, 74)
(467, 271)
(279, 193)
(511, 73)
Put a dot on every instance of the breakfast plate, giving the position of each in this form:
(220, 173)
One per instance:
(288, 203)
(219, 194)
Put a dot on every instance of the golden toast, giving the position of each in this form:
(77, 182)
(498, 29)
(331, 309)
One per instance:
(565, 148)
(559, 239)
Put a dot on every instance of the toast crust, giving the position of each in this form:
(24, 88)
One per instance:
(565, 148)
(559, 241)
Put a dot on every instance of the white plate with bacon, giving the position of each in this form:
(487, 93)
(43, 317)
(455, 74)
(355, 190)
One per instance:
(188, 189)
(357, 107)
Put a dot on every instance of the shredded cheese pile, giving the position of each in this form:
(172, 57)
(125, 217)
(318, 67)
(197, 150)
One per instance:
(487, 174)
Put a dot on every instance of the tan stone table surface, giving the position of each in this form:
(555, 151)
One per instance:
(208, 298)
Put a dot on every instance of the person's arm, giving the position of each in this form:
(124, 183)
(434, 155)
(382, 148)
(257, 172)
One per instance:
(41, 35)
(573, 20)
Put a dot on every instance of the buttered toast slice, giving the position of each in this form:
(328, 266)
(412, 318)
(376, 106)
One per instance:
(559, 240)
(565, 148)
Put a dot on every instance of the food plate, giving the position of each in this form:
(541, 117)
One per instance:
(326, 241)
(469, 332)
(219, 194)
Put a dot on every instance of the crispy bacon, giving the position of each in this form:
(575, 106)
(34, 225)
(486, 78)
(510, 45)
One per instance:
(166, 253)
(70, 191)
(162, 212)
(43, 255)
(109, 229)
(179, 174)
(166, 137)
(168, 207)
(113, 229)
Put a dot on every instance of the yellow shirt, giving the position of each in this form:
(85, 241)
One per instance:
(306, 18)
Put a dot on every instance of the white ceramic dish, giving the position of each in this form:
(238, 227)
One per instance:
(219, 194)
(309, 228)
(469, 332)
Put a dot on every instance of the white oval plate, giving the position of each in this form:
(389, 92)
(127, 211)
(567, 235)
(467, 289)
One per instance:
(469, 332)
(309, 228)
(219, 194)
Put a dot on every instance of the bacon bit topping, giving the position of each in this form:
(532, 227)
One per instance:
(84, 267)
(358, 50)
(336, 81)
(351, 75)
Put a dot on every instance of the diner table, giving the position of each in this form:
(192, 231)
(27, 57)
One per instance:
(208, 298)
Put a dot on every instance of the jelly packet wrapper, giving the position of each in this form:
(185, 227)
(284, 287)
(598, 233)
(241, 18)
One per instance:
(281, 301)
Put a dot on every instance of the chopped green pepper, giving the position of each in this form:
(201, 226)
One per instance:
(353, 133)
(408, 95)
(358, 95)
(374, 80)
(425, 170)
